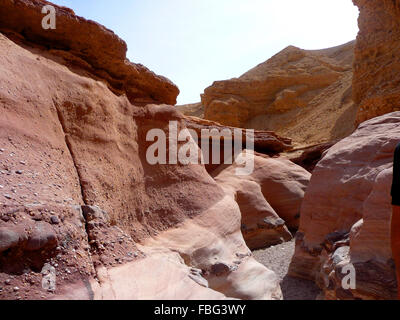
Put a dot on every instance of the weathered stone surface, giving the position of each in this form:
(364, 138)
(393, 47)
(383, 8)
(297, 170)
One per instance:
(309, 157)
(300, 94)
(192, 110)
(9, 238)
(352, 182)
(261, 225)
(42, 235)
(269, 199)
(87, 45)
(94, 213)
(376, 68)
(266, 142)
(86, 150)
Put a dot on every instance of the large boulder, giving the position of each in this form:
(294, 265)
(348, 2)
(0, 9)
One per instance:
(348, 204)
(269, 198)
(266, 142)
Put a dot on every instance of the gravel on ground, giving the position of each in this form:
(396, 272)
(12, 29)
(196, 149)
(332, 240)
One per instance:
(277, 259)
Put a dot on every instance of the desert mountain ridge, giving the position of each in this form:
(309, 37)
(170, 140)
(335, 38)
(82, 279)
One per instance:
(305, 95)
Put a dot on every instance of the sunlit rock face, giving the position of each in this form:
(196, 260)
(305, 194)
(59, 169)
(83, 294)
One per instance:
(269, 198)
(376, 67)
(346, 212)
(304, 95)
(83, 214)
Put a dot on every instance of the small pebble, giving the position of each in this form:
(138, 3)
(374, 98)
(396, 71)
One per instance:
(7, 282)
(16, 289)
(7, 196)
(54, 220)
(19, 172)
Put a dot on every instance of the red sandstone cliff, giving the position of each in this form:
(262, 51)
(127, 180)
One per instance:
(83, 215)
(87, 46)
(376, 79)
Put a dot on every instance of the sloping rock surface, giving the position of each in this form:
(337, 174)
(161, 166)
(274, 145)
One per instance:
(346, 212)
(83, 215)
(87, 45)
(269, 198)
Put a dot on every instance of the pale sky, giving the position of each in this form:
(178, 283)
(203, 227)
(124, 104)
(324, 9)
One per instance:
(196, 42)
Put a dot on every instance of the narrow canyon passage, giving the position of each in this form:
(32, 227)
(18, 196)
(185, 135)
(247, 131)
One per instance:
(277, 259)
(110, 191)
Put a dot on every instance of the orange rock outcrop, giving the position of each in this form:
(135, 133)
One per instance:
(88, 46)
(376, 78)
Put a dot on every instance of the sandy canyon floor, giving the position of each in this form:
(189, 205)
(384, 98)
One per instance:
(277, 259)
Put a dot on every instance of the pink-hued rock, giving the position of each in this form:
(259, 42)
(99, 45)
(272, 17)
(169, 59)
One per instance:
(376, 68)
(73, 162)
(266, 142)
(213, 243)
(352, 182)
(269, 198)
(205, 258)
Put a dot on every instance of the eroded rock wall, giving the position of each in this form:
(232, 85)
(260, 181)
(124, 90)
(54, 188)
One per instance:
(88, 46)
(376, 64)
(83, 215)
(346, 212)
(269, 198)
